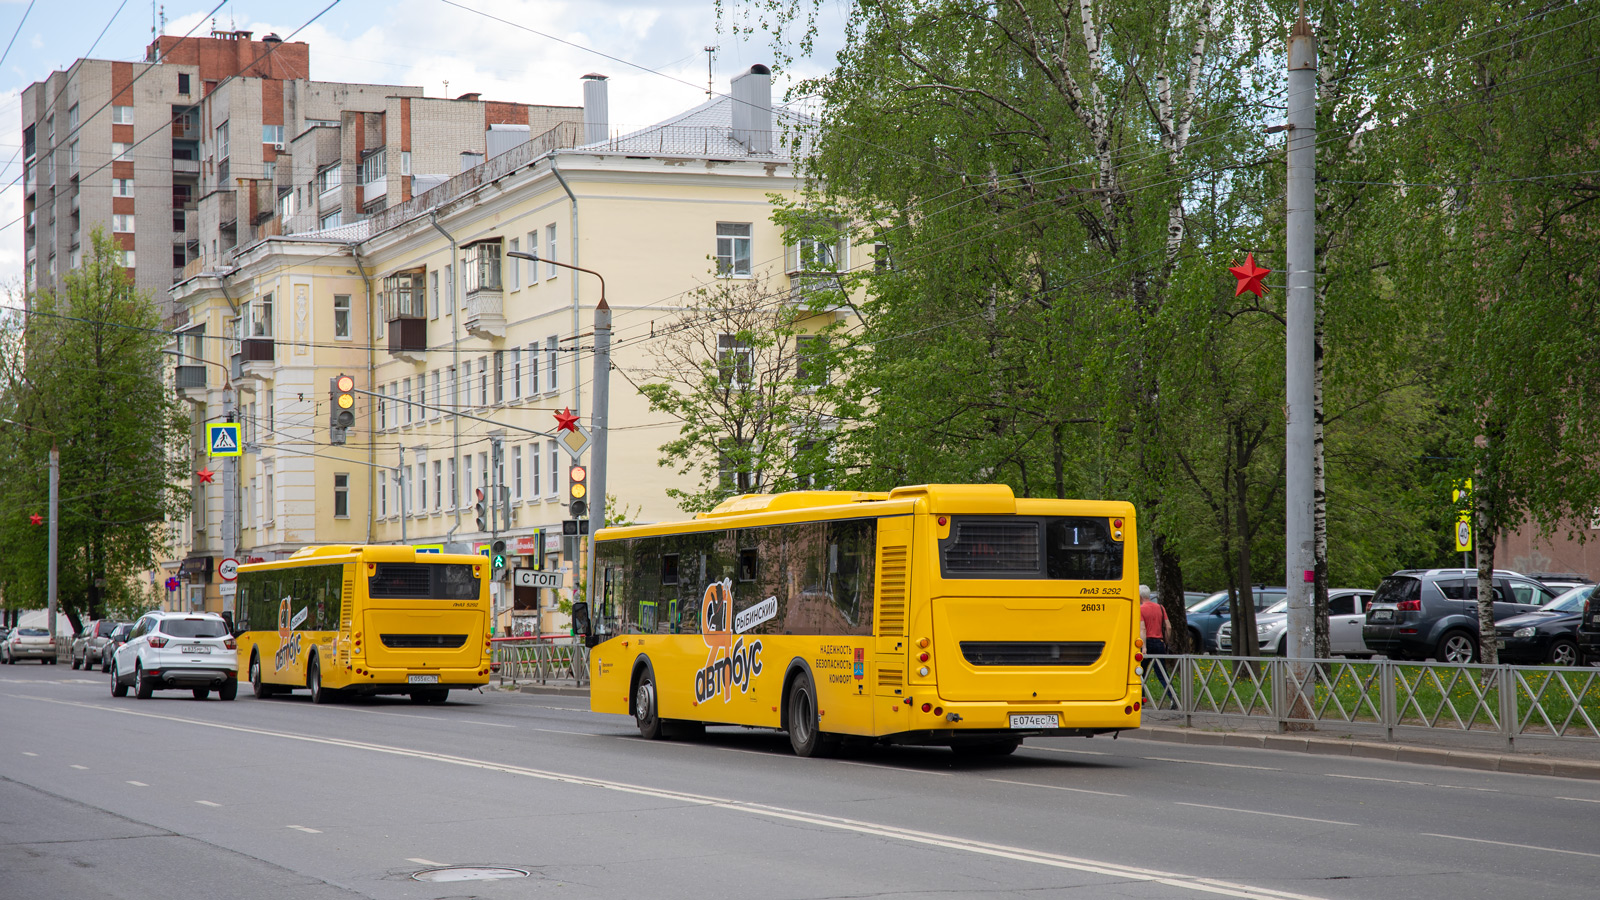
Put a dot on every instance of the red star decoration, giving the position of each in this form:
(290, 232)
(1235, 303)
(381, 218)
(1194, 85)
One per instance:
(1250, 276)
(206, 475)
(567, 420)
(36, 519)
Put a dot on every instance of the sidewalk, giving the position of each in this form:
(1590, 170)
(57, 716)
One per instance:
(1479, 750)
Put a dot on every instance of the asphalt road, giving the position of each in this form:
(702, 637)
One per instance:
(171, 798)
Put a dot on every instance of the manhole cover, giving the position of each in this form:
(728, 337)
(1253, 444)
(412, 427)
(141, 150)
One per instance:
(469, 873)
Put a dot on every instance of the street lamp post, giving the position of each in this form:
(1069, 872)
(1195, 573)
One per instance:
(597, 418)
(55, 506)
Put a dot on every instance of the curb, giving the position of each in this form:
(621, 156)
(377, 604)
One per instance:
(564, 690)
(1517, 764)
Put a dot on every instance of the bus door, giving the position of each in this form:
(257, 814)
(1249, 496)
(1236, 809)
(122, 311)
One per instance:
(890, 624)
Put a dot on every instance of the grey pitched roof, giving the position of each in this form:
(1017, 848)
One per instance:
(706, 131)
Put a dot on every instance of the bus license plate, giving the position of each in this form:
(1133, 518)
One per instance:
(423, 679)
(197, 650)
(1032, 720)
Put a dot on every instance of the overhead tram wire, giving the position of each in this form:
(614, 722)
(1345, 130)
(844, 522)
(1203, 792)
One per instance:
(13, 41)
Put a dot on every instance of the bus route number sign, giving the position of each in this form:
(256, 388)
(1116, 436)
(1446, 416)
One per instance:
(534, 578)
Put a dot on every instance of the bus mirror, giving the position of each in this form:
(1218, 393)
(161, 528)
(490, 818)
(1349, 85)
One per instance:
(580, 620)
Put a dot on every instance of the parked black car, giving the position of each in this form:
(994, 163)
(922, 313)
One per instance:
(119, 636)
(1423, 613)
(1547, 637)
(1588, 634)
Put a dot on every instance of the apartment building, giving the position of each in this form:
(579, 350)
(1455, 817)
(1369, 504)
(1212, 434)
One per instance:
(423, 304)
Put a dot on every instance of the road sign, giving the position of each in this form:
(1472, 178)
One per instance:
(228, 590)
(575, 441)
(428, 548)
(228, 569)
(222, 439)
(536, 579)
(1462, 495)
(172, 583)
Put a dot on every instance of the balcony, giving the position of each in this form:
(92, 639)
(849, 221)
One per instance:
(408, 339)
(191, 378)
(486, 313)
(186, 167)
(255, 358)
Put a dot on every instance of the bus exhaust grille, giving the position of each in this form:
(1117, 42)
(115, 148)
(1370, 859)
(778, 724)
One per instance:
(1032, 653)
(892, 578)
(417, 641)
(891, 678)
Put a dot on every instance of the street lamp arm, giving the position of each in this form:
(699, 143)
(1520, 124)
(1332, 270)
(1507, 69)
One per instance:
(227, 373)
(534, 258)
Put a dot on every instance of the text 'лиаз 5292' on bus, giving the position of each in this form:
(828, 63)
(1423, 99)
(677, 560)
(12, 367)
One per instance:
(951, 615)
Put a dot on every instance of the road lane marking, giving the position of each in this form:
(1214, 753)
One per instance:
(84, 768)
(1452, 787)
(1457, 837)
(578, 733)
(1201, 762)
(1257, 812)
(26, 753)
(138, 784)
(891, 832)
(846, 762)
(207, 803)
(1057, 787)
(422, 862)
(1578, 799)
(1074, 752)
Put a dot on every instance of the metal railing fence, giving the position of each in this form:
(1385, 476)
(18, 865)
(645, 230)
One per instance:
(1513, 701)
(534, 660)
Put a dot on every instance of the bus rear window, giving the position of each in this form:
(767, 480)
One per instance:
(423, 581)
(1077, 548)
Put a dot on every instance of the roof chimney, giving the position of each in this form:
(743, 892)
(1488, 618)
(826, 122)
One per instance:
(596, 109)
(752, 109)
(470, 159)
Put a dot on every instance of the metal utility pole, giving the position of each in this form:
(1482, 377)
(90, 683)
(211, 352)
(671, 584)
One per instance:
(402, 485)
(1300, 258)
(55, 518)
(230, 493)
(597, 453)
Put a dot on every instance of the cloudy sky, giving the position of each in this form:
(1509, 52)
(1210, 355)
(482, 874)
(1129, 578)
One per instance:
(658, 63)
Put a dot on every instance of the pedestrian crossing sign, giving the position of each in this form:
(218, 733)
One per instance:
(222, 439)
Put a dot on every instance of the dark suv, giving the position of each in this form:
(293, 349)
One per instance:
(1422, 613)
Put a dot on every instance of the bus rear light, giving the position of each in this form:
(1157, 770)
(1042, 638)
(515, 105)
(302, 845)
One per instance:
(1138, 657)
(158, 642)
(927, 707)
(477, 570)
(922, 657)
(923, 671)
(943, 521)
(938, 710)
(1127, 710)
(923, 642)
(1116, 523)
(1138, 643)
(1136, 706)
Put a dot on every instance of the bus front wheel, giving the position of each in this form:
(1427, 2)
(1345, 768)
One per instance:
(646, 712)
(805, 724)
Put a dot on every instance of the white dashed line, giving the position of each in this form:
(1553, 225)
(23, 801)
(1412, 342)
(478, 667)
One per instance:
(303, 828)
(1578, 799)
(558, 731)
(1456, 837)
(138, 784)
(1257, 812)
(1073, 752)
(1451, 787)
(422, 862)
(1057, 787)
(26, 753)
(1201, 762)
(207, 803)
(83, 768)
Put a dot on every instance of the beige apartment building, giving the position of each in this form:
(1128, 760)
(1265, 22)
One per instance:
(420, 302)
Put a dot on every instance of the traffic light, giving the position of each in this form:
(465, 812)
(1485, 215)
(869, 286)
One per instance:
(497, 558)
(578, 492)
(481, 510)
(342, 414)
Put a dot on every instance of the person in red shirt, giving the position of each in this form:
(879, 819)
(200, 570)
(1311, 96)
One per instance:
(1156, 627)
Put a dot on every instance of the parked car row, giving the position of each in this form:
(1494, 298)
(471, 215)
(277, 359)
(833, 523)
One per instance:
(88, 648)
(1347, 610)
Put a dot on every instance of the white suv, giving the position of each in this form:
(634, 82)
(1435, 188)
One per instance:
(168, 650)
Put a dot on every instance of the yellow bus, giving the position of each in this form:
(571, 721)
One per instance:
(953, 615)
(365, 620)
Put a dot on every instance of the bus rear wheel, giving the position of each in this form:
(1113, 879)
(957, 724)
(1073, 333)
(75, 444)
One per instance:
(319, 694)
(646, 711)
(805, 723)
(262, 691)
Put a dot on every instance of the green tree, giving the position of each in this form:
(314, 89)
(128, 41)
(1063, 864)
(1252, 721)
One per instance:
(87, 377)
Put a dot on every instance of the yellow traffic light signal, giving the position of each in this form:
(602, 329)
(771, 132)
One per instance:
(342, 415)
(577, 491)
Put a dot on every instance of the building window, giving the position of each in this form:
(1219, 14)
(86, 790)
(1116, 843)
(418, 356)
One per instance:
(270, 500)
(455, 486)
(533, 368)
(449, 289)
(341, 316)
(329, 179)
(183, 82)
(811, 364)
(271, 134)
(733, 248)
(818, 255)
(466, 470)
(533, 247)
(122, 115)
(222, 141)
(483, 472)
(533, 471)
(383, 494)
(550, 382)
(433, 294)
(733, 360)
(516, 264)
(405, 162)
(260, 315)
(438, 484)
(405, 395)
(331, 220)
(122, 222)
(269, 170)
(375, 167)
(550, 250)
(72, 157)
(554, 452)
(341, 495)
(438, 401)
(483, 267)
(121, 151)
(422, 489)
(122, 187)
(403, 296)
(483, 381)
(126, 257)
(72, 117)
(516, 473)
(499, 376)
(286, 204)
(515, 372)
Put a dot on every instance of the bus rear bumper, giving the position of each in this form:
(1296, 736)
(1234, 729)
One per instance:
(1022, 719)
(364, 680)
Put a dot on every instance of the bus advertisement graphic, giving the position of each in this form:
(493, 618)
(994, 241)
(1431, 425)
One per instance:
(730, 662)
(288, 638)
